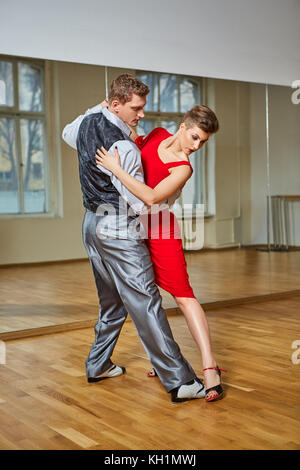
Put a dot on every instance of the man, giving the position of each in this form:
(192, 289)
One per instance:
(119, 257)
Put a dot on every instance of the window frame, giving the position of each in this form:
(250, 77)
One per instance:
(14, 112)
(159, 116)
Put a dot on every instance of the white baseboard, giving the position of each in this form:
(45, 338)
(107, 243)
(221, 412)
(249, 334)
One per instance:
(225, 245)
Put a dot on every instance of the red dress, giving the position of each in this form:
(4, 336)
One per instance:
(164, 239)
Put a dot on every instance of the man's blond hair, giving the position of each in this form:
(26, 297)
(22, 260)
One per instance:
(124, 86)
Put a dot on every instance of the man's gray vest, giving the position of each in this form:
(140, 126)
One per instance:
(96, 131)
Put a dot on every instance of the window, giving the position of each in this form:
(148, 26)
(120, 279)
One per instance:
(23, 150)
(170, 97)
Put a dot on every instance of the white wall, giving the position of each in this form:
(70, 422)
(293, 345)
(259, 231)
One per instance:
(255, 40)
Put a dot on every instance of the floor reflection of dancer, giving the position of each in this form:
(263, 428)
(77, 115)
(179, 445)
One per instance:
(166, 165)
(120, 260)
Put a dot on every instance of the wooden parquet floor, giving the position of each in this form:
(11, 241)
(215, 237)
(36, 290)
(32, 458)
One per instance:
(40, 296)
(46, 403)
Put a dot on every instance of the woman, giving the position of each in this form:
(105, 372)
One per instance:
(166, 169)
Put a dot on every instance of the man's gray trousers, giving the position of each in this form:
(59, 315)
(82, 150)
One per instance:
(125, 282)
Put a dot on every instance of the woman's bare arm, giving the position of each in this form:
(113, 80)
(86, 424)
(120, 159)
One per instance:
(165, 189)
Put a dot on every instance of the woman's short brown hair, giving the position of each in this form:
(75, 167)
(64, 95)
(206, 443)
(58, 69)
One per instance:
(203, 117)
(124, 86)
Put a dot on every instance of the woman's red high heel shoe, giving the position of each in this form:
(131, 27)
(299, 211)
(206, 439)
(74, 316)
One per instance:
(217, 388)
(152, 373)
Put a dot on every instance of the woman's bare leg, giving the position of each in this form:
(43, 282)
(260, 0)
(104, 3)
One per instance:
(198, 326)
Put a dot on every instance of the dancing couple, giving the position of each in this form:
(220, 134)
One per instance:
(123, 177)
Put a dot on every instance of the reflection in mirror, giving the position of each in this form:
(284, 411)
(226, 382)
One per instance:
(6, 78)
(151, 80)
(41, 203)
(30, 88)
(9, 168)
(189, 94)
(168, 93)
(145, 126)
(33, 151)
(23, 163)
